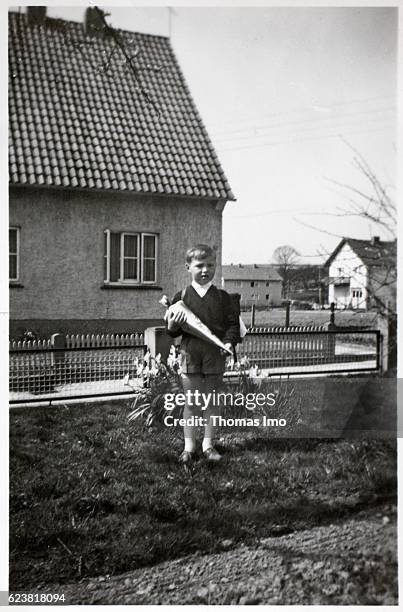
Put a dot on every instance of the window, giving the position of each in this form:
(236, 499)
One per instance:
(130, 257)
(357, 293)
(253, 283)
(267, 296)
(267, 283)
(14, 253)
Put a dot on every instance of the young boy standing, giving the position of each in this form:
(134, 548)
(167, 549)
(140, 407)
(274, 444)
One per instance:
(202, 363)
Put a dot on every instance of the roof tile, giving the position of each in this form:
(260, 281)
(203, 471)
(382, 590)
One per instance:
(59, 102)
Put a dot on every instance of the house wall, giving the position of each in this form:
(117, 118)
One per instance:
(348, 264)
(256, 294)
(62, 257)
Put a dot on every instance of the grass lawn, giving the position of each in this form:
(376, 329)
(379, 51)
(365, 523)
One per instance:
(276, 316)
(91, 495)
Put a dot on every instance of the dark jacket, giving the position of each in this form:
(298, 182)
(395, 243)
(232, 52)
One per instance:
(215, 310)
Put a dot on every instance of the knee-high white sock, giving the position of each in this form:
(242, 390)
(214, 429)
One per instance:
(190, 445)
(207, 443)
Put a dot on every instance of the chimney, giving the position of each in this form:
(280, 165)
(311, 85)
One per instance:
(375, 240)
(94, 25)
(36, 15)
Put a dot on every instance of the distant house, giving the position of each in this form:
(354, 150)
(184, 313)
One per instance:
(362, 273)
(106, 194)
(258, 284)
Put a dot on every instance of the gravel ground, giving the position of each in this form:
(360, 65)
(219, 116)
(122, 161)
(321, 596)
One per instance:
(349, 563)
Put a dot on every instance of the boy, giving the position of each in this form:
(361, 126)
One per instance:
(202, 363)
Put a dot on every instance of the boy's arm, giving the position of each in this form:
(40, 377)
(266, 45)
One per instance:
(231, 335)
(174, 333)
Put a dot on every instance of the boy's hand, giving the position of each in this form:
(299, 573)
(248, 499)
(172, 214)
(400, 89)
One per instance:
(227, 345)
(175, 320)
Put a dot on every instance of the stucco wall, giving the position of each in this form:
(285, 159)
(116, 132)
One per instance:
(62, 249)
(348, 264)
(256, 294)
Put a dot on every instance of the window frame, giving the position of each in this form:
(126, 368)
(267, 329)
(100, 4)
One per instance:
(155, 236)
(122, 258)
(122, 282)
(17, 254)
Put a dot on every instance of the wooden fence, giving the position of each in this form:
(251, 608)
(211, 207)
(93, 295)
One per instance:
(74, 365)
(313, 347)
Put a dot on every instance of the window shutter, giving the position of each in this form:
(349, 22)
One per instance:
(13, 254)
(149, 258)
(114, 272)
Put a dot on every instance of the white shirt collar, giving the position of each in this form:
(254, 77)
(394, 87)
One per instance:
(201, 290)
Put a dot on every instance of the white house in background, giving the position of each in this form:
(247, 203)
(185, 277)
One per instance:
(257, 284)
(362, 273)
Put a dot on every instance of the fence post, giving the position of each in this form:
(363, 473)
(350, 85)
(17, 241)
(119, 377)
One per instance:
(287, 313)
(330, 343)
(158, 341)
(331, 314)
(57, 341)
(387, 326)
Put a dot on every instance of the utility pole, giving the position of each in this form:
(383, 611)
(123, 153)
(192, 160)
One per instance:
(320, 286)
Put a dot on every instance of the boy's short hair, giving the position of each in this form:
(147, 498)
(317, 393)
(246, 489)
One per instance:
(199, 251)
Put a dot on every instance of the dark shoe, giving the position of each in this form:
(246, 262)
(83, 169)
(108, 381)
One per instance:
(212, 455)
(187, 458)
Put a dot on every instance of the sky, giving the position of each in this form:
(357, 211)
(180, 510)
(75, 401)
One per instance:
(286, 95)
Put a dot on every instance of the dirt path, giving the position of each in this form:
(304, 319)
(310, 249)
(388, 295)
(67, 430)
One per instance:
(350, 563)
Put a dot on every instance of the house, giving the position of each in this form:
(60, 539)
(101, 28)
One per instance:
(257, 284)
(362, 273)
(112, 176)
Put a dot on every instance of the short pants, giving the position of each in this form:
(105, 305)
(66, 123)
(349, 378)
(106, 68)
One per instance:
(200, 357)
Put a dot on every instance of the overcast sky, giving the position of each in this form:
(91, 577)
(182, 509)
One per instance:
(279, 90)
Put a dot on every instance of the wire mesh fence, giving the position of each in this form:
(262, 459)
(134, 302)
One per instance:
(305, 350)
(88, 366)
(60, 373)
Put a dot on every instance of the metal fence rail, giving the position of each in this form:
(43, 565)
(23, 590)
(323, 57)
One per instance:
(302, 350)
(88, 366)
(64, 373)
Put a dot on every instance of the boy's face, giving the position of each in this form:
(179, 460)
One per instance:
(202, 270)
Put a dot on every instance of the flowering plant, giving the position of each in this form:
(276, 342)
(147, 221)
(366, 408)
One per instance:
(158, 380)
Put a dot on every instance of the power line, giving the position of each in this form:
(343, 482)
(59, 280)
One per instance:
(237, 116)
(291, 141)
(301, 122)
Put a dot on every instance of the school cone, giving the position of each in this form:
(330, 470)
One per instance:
(193, 325)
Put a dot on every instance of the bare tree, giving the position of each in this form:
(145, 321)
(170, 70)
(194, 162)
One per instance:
(285, 257)
(377, 205)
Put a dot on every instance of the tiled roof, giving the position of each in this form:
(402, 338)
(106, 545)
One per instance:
(75, 126)
(372, 253)
(250, 272)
